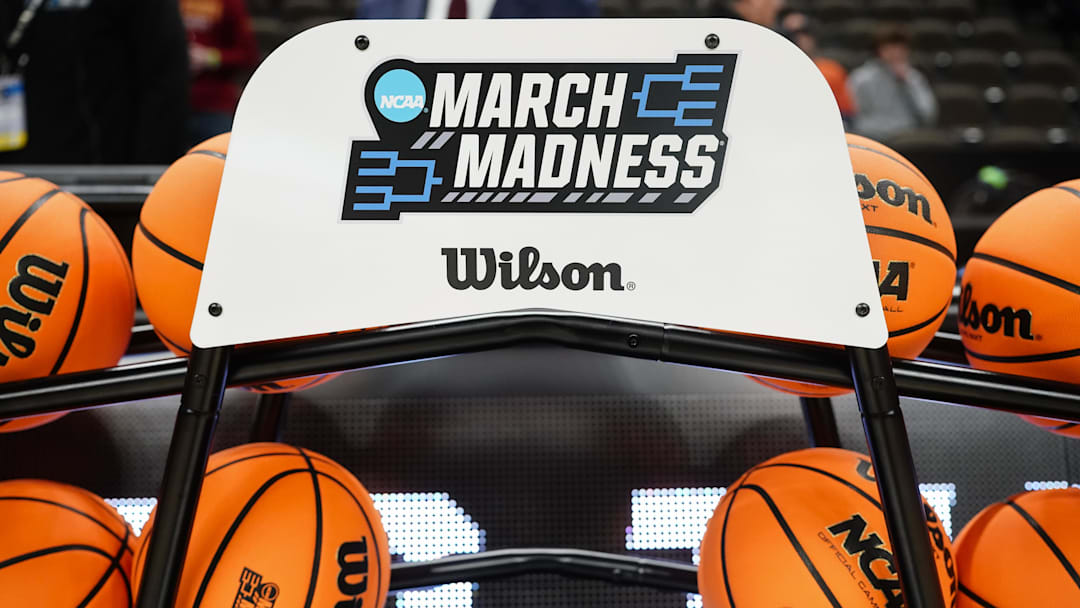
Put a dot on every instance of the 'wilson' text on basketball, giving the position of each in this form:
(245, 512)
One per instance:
(32, 291)
(993, 319)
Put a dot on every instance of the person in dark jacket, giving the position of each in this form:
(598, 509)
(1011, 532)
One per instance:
(106, 81)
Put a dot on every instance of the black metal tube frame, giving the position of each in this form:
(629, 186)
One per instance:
(869, 371)
(820, 420)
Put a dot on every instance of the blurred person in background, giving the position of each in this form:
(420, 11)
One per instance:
(761, 12)
(798, 28)
(890, 95)
(92, 81)
(222, 47)
(477, 9)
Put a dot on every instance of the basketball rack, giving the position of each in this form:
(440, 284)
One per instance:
(249, 243)
(877, 381)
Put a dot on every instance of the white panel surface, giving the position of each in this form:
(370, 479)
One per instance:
(777, 248)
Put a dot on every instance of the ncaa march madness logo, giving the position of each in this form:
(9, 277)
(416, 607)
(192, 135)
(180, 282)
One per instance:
(539, 137)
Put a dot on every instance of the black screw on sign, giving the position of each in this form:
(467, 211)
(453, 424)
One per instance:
(362, 42)
(712, 41)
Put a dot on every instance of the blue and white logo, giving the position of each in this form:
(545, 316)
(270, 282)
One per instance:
(400, 95)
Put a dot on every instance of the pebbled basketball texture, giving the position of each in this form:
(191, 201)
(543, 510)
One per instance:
(285, 526)
(1020, 293)
(913, 247)
(169, 247)
(68, 298)
(806, 529)
(62, 547)
(1024, 551)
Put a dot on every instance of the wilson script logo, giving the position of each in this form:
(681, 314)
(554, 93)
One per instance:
(478, 269)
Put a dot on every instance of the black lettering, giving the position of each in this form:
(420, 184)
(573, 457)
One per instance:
(614, 273)
(992, 319)
(865, 470)
(575, 276)
(895, 281)
(472, 276)
(865, 186)
(506, 270)
(353, 560)
(16, 343)
(891, 192)
(869, 550)
(20, 285)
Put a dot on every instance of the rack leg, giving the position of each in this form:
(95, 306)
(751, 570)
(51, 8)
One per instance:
(820, 422)
(875, 386)
(194, 430)
(270, 413)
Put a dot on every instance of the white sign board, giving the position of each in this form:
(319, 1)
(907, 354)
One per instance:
(685, 171)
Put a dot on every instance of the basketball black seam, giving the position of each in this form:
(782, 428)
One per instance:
(213, 153)
(25, 557)
(847, 483)
(794, 542)
(223, 545)
(69, 508)
(1031, 272)
(917, 327)
(890, 157)
(1072, 191)
(317, 556)
(315, 457)
(15, 179)
(168, 249)
(1048, 541)
(1063, 354)
(82, 295)
(3, 422)
(173, 344)
(367, 520)
(110, 511)
(22, 219)
(113, 565)
(1064, 427)
(723, 543)
(978, 600)
(914, 238)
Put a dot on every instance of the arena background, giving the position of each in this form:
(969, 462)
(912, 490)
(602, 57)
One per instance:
(540, 446)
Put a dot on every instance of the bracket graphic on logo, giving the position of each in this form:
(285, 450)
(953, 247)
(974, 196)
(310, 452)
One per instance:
(560, 137)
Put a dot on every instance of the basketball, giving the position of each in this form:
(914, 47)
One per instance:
(806, 529)
(63, 546)
(914, 250)
(1024, 551)
(1020, 295)
(282, 526)
(170, 244)
(69, 301)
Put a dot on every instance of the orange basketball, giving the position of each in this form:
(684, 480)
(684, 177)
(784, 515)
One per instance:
(914, 250)
(1022, 552)
(63, 546)
(284, 527)
(170, 244)
(1021, 292)
(806, 529)
(68, 301)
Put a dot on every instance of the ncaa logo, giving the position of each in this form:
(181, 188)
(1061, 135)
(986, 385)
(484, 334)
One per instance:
(400, 95)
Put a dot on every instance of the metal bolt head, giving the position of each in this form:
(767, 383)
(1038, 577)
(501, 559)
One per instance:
(712, 41)
(215, 309)
(862, 309)
(878, 383)
(362, 42)
(632, 340)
